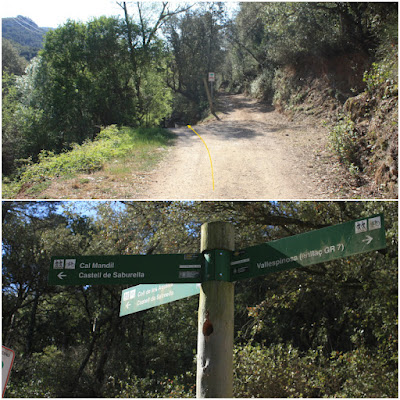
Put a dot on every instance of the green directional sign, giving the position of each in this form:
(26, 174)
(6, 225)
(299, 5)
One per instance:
(143, 297)
(119, 270)
(338, 241)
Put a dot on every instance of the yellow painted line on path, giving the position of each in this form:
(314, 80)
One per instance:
(209, 155)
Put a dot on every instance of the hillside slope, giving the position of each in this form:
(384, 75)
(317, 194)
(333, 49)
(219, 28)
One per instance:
(363, 127)
(334, 63)
(24, 32)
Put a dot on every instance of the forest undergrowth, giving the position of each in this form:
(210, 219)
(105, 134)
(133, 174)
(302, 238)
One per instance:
(112, 145)
(362, 129)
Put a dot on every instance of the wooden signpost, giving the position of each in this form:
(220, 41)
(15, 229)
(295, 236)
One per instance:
(216, 268)
(215, 318)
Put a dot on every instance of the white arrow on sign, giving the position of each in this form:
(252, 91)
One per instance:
(127, 305)
(61, 275)
(368, 239)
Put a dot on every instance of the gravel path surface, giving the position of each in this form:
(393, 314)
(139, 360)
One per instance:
(256, 152)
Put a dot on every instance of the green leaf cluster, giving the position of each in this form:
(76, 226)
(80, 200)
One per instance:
(85, 77)
(344, 140)
(266, 37)
(195, 41)
(382, 78)
(111, 143)
(280, 370)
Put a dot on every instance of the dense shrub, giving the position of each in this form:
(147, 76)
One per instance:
(262, 86)
(134, 387)
(111, 142)
(345, 143)
(281, 370)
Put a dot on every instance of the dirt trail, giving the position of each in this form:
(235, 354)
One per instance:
(256, 152)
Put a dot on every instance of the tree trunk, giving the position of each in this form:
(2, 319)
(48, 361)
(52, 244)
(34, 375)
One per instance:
(32, 323)
(136, 76)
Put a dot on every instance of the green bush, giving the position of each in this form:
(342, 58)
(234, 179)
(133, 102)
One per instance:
(277, 371)
(134, 387)
(280, 370)
(345, 142)
(40, 374)
(286, 88)
(262, 86)
(112, 142)
(382, 78)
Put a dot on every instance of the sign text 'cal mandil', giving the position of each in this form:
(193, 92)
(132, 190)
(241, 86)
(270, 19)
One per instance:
(321, 245)
(120, 270)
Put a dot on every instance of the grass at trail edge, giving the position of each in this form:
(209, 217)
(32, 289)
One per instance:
(111, 143)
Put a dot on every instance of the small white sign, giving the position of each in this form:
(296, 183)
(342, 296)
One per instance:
(129, 294)
(189, 274)
(211, 77)
(70, 264)
(374, 223)
(361, 226)
(58, 264)
(7, 357)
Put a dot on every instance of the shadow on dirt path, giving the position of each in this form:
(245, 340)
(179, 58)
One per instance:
(256, 152)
